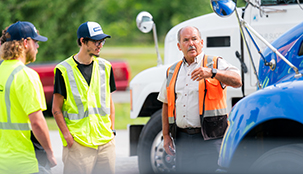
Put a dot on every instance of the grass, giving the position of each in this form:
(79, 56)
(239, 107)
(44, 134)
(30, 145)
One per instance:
(123, 116)
(51, 123)
(138, 58)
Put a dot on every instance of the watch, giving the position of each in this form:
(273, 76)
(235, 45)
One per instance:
(114, 131)
(214, 71)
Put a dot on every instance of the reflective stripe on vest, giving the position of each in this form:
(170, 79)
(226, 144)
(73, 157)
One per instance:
(170, 86)
(76, 95)
(103, 110)
(9, 125)
(207, 109)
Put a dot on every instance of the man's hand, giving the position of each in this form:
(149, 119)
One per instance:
(52, 160)
(70, 140)
(168, 145)
(201, 73)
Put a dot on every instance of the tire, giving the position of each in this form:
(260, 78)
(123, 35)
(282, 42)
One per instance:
(283, 159)
(152, 157)
(147, 136)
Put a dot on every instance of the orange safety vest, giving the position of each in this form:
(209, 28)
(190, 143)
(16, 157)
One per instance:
(212, 95)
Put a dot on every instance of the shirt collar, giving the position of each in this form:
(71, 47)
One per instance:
(198, 59)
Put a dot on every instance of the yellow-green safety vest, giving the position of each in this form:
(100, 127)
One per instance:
(86, 109)
(21, 94)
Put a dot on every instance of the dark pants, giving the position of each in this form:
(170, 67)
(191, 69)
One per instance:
(195, 155)
(41, 156)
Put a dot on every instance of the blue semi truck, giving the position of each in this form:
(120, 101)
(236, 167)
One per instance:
(265, 133)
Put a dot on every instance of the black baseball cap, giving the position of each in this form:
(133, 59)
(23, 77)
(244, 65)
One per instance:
(22, 30)
(91, 30)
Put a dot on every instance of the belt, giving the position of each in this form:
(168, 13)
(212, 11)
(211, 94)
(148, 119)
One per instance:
(190, 130)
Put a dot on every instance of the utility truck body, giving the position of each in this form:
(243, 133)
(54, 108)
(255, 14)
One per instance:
(222, 37)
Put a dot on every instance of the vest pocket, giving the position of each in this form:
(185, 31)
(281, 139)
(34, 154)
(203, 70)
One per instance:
(173, 130)
(214, 127)
(214, 90)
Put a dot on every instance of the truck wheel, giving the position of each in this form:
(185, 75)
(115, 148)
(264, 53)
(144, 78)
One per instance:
(152, 157)
(284, 159)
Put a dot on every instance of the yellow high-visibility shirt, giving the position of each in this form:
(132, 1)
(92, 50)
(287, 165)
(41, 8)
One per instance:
(21, 94)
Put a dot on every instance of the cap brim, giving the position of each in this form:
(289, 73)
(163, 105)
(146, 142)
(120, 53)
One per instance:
(40, 38)
(100, 37)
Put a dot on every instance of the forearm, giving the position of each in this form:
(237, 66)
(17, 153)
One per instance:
(61, 123)
(112, 113)
(229, 78)
(40, 130)
(165, 124)
(167, 141)
(58, 115)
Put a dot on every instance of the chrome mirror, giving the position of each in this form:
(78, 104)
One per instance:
(223, 8)
(144, 21)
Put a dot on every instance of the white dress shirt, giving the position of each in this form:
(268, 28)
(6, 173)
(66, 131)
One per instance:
(187, 92)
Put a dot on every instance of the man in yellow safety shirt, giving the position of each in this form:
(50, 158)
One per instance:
(83, 107)
(194, 104)
(21, 102)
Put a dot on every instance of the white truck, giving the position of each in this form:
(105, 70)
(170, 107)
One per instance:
(222, 37)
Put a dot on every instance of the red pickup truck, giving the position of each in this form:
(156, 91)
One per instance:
(46, 72)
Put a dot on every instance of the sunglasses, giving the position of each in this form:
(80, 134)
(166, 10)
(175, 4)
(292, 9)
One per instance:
(98, 42)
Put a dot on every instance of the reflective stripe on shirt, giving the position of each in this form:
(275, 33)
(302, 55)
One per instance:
(9, 125)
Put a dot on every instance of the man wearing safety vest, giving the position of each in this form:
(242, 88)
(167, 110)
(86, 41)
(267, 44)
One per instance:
(83, 106)
(21, 102)
(194, 111)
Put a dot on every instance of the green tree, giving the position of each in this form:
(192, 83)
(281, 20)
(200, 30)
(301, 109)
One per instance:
(59, 20)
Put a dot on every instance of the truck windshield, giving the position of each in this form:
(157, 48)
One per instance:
(278, 2)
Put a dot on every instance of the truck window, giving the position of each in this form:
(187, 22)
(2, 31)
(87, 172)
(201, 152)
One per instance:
(220, 41)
